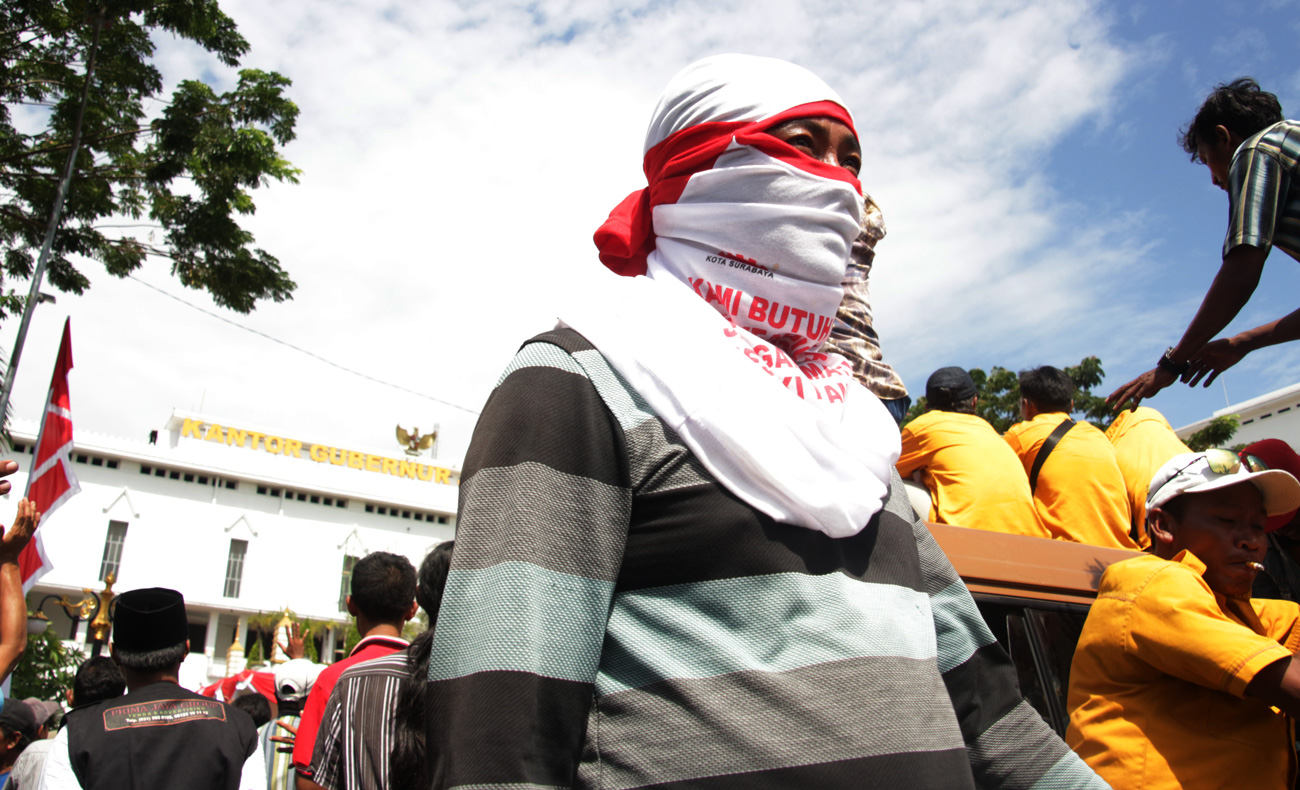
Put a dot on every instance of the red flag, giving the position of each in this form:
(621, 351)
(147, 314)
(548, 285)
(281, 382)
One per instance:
(51, 481)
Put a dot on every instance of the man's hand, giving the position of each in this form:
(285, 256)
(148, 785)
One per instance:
(1141, 388)
(297, 647)
(290, 739)
(6, 468)
(1213, 359)
(16, 538)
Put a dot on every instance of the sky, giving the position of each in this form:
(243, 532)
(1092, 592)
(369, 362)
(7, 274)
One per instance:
(457, 158)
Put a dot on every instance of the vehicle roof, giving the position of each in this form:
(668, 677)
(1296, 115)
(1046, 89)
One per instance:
(1019, 566)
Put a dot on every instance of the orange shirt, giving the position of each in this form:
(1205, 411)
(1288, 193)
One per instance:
(1143, 442)
(974, 479)
(1158, 683)
(1081, 494)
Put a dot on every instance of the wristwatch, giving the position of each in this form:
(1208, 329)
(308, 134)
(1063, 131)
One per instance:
(1168, 365)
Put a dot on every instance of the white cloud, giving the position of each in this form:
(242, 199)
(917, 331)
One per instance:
(458, 157)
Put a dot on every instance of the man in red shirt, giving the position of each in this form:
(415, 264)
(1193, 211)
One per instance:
(382, 600)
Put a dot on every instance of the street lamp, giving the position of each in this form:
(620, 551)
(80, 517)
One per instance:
(93, 606)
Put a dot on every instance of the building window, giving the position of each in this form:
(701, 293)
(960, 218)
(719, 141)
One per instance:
(345, 586)
(235, 567)
(112, 560)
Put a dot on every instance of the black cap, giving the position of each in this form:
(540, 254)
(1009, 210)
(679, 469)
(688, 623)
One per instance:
(949, 386)
(149, 619)
(17, 716)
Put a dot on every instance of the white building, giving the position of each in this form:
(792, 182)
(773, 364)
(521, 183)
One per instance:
(240, 519)
(1275, 415)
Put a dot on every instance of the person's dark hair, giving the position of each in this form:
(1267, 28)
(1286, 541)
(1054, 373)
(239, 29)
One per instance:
(409, 766)
(151, 660)
(1048, 388)
(961, 407)
(254, 705)
(383, 586)
(433, 578)
(97, 679)
(1240, 106)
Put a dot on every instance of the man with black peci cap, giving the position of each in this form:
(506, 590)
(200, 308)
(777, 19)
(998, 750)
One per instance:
(974, 478)
(159, 734)
(1180, 678)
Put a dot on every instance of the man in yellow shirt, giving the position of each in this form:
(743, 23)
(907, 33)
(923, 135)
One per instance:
(1143, 442)
(1079, 492)
(974, 479)
(1177, 671)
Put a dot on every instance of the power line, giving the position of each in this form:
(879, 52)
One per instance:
(311, 354)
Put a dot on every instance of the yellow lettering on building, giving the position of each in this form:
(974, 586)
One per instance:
(320, 453)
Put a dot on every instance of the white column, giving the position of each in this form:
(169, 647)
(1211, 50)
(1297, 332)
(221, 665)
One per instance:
(82, 628)
(327, 647)
(210, 639)
(243, 632)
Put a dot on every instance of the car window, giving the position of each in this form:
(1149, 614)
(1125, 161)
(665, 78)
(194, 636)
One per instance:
(1040, 638)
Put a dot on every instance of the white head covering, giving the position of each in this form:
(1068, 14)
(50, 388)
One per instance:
(750, 243)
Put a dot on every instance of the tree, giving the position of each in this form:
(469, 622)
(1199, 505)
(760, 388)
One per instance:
(47, 668)
(1217, 433)
(168, 186)
(999, 396)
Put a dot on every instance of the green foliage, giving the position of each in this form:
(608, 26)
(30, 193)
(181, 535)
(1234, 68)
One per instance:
(999, 396)
(1217, 433)
(46, 669)
(183, 175)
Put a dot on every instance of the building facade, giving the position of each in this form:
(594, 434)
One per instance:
(1275, 415)
(243, 520)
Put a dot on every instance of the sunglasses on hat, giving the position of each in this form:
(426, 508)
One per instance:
(1226, 462)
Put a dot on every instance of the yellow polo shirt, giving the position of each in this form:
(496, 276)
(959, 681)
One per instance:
(974, 479)
(1081, 494)
(1159, 676)
(1143, 442)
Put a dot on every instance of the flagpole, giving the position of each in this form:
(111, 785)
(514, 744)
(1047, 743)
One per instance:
(56, 213)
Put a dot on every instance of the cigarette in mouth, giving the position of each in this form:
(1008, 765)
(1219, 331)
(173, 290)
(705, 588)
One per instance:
(1256, 566)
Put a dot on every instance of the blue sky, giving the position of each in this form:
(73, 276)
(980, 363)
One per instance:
(1131, 164)
(457, 157)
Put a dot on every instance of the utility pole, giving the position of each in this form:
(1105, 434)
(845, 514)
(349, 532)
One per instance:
(56, 213)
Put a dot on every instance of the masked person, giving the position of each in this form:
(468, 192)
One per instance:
(158, 734)
(683, 557)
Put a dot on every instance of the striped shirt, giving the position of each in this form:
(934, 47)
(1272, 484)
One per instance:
(1264, 191)
(355, 740)
(615, 618)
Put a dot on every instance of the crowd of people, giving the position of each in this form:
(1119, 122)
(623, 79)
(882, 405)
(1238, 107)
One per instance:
(1092, 490)
(686, 555)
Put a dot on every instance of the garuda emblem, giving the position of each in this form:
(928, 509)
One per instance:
(413, 441)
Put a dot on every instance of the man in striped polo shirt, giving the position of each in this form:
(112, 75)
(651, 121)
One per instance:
(1254, 155)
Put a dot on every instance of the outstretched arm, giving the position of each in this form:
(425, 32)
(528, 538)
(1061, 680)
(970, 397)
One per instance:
(13, 605)
(1223, 353)
(1231, 289)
